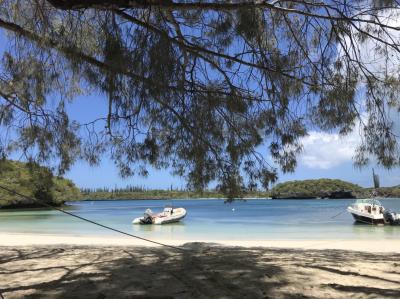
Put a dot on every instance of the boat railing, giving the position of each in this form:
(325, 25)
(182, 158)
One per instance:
(370, 201)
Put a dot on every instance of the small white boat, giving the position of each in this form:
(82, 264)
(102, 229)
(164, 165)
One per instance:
(371, 211)
(368, 211)
(169, 215)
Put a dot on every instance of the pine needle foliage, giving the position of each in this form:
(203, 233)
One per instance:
(210, 89)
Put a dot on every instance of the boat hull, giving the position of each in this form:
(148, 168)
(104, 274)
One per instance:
(365, 217)
(371, 211)
(367, 220)
(174, 215)
(177, 215)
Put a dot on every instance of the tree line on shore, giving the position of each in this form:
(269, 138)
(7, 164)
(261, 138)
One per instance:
(329, 188)
(128, 188)
(40, 184)
(302, 189)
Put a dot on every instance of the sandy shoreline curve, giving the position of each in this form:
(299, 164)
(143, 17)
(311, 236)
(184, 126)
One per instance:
(365, 245)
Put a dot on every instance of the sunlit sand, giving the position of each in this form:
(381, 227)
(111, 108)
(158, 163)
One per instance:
(93, 267)
(384, 245)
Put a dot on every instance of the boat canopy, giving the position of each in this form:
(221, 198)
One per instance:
(370, 201)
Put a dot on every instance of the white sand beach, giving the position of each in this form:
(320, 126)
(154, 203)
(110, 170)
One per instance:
(46, 266)
(18, 239)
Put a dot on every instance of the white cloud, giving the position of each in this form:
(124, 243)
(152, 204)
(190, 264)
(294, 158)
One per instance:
(325, 150)
(379, 55)
(328, 150)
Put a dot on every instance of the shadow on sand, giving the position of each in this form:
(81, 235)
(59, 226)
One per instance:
(204, 271)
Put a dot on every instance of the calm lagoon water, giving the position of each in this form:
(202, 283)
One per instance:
(254, 219)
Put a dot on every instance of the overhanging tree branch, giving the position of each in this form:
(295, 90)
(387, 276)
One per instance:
(219, 6)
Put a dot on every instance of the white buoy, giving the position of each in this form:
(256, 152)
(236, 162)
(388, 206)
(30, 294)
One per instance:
(233, 209)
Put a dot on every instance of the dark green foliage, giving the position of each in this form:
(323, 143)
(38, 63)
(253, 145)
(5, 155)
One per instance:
(138, 192)
(198, 87)
(33, 181)
(386, 191)
(313, 188)
(319, 188)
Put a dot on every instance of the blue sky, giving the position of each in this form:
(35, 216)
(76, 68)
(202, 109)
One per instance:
(325, 155)
(107, 175)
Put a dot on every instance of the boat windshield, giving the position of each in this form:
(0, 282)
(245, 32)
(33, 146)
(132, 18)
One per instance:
(369, 201)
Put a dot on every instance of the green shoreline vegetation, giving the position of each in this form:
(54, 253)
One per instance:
(305, 189)
(142, 193)
(329, 188)
(36, 181)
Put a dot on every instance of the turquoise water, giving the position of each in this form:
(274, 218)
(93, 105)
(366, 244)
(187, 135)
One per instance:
(256, 219)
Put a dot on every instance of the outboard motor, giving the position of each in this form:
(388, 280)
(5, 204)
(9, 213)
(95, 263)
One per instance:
(390, 217)
(147, 217)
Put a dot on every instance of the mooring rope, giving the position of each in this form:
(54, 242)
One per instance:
(88, 220)
(338, 214)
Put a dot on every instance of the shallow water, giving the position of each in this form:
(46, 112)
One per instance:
(208, 219)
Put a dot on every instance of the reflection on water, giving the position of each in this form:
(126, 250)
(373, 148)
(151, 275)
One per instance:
(365, 230)
(207, 219)
(26, 215)
(165, 230)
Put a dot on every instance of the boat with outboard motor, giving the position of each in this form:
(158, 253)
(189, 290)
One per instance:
(371, 211)
(168, 215)
(367, 211)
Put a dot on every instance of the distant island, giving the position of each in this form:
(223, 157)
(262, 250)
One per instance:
(39, 182)
(328, 188)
